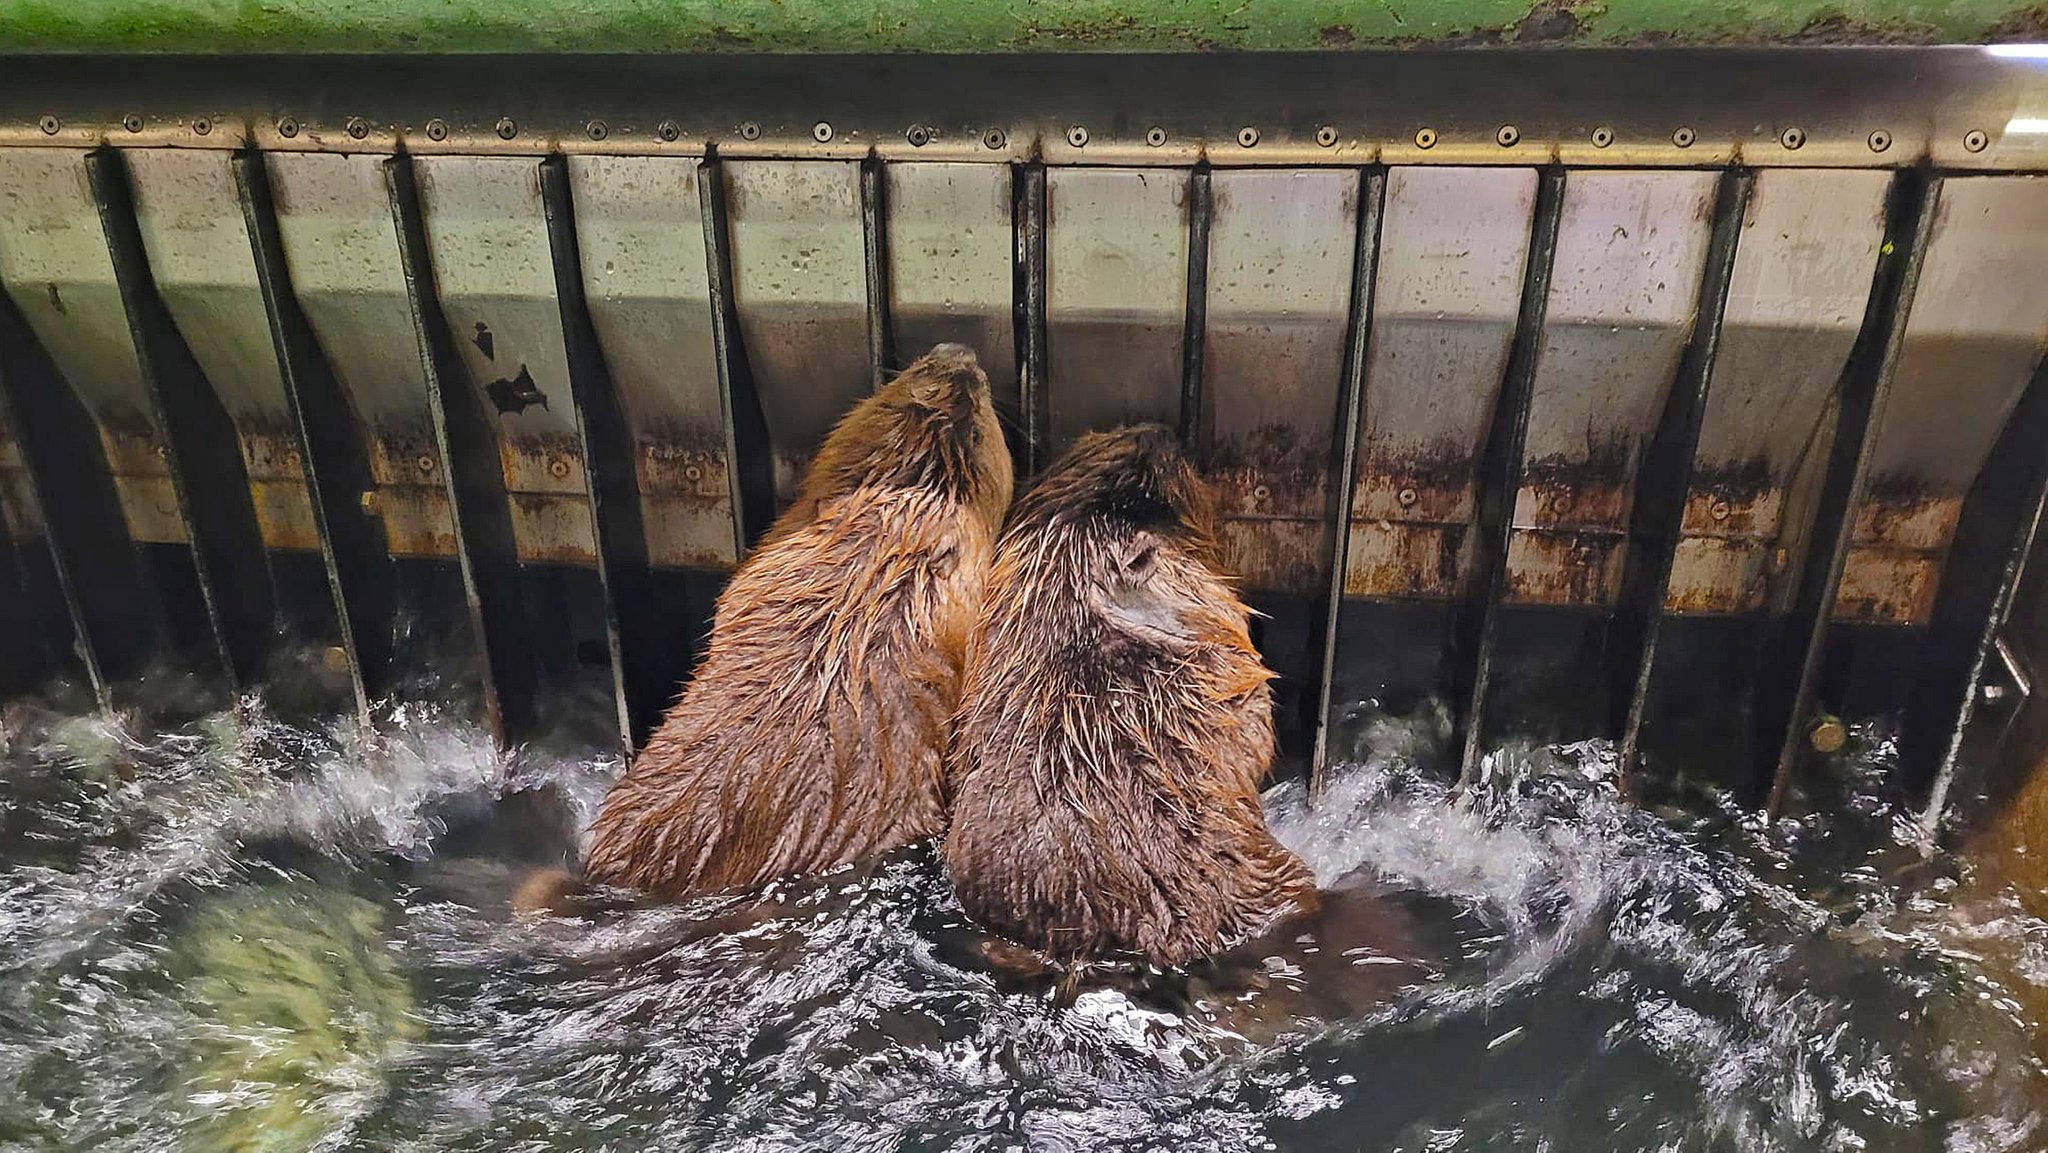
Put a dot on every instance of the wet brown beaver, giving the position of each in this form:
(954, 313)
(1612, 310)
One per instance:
(813, 732)
(1115, 724)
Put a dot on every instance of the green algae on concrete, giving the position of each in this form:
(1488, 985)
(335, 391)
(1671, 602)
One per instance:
(865, 26)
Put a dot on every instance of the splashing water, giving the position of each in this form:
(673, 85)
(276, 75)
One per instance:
(271, 938)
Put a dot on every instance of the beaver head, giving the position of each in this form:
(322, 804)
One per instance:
(1115, 723)
(931, 428)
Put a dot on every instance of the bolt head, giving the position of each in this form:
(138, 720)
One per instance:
(821, 132)
(668, 130)
(1077, 136)
(1326, 136)
(507, 129)
(1827, 734)
(437, 129)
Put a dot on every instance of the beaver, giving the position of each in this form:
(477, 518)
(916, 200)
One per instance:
(813, 732)
(1115, 723)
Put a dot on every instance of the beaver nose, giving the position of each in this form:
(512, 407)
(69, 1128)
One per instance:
(954, 356)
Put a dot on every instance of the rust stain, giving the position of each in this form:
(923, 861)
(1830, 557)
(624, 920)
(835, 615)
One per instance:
(1888, 586)
(1721, 575)
(1396, 559)
(1564, 567)
(1277, 555)
(542, 464)
(1591, 492)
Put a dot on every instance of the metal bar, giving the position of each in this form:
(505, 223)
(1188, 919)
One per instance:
(1195, 424)
(874, 234)
(614, 488)
(96, 564)
(2002, 518)
(748, 465)
(474, 477)
(1665, 478)
(1029, 221)
(1344, 449)
(337, 469)
(1789, 683)
(1478, 621)
(201, 446)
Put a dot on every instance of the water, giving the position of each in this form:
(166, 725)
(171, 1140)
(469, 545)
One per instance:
(282, 939)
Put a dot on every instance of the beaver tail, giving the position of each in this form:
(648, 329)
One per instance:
(549, 892)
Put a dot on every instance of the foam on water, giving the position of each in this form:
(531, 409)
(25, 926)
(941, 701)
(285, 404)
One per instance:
(292, 939)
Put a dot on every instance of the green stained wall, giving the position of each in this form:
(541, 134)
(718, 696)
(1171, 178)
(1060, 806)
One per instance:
(395, 26)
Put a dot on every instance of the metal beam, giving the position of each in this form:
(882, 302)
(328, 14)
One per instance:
(1029, 221)
(1195, 427)
(1790, 681)
(746, 432)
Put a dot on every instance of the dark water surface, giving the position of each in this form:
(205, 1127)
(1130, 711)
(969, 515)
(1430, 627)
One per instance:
(284, 939)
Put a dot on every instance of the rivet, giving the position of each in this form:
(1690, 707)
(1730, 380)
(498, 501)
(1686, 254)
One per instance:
(668, 130)
(1828, 734)
(1326, 135)
(49, 125)
(1561, 500)
(1507, 136)
(437, 129)
(597, 129)
(752, 131)
(1603, 136)
(202, 126)
(132, 122)
(1425, 138)
(358, 127)
(1261, 493)
(335, 658)
(692, 473)
(1975, 140)
(821, 131)
(1247, 136)
(558, 468)
(1407, 497)
(1880, 140)
(1077, 136)
(506, 128)
(287, 127)
(1684, 137)
(1720, 510)
(425, 463)
(1792, 138)
(994, 138)
(918, 135)
(1155, 136)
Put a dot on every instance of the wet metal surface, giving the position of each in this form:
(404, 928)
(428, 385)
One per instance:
(1621, 308)
(1116, 298)
(1450, 278)
(800, 285)
(1802, 277)
(1281, 246)
(488, 239)
(199, 253)
(638, 224)
(54, 263)
(334, 217)
(950, 268)
(1976, 335)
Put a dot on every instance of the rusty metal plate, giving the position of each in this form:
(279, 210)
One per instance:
(1116, 297)
(199, 255)
(341, 250)
(1795, 302)
(1630, 250)
(487, 237)
(1975, 335)
(1453, 243)
(54, 263)
(640, 229)
(800, 285)
(952, 265)
(1281, 246)
(18, 504)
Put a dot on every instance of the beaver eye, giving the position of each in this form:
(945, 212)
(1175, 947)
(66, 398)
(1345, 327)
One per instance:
(1141, 560)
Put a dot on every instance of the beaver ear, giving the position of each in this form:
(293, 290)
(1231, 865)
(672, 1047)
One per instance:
(1136, 599)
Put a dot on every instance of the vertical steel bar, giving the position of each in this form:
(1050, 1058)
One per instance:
(609, 473)
(474, 477)
(201, 445)
(1665, 478)
(748, 464)
(1786, 691)
(337, 467)
(874, 234)
(1195, 425)
(1030, 224)
(97, 568)
(1344, 450)
(2001, 518)
(1478, 624)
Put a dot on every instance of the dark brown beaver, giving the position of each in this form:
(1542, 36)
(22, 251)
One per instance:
(1115, 724)
(813, 732)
